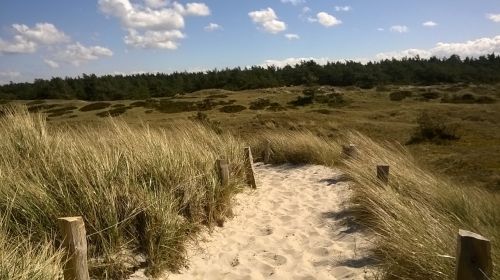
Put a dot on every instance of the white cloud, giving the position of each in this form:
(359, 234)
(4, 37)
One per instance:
(293, 2)
(268, 20)
(27, 40)
(291, 36)
(43, 33)
(429, 23)
(472, 48)
(155, 3)
(306, 10)
(343, 8)
(156, 24)
(399, 28)
(51, 63)
(154, 39)
(380, 29)
(77, 53)
(494, 17)
(327, 20)
(212, 27)
(197, 9)
(17, 46)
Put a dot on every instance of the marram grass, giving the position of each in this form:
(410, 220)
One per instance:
(141, 191)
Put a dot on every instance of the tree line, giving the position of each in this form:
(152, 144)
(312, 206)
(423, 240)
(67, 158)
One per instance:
(414, 70)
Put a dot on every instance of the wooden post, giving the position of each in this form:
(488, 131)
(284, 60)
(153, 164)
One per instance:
(349, 151)
(74, 241)
(223, 169)
(383, 173)
(473, 257)
(249, 168)
(267, 152)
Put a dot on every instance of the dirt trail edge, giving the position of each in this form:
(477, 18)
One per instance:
(296, 225)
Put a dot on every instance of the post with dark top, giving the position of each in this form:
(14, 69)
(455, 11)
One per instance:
(223, 169)
(383, 173)
(473, 257)
(249, 168)
(74, 241)
(349, 150)
(267, 152)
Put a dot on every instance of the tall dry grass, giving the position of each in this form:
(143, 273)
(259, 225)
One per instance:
(141, 191)
(296, 147)
(416, 216)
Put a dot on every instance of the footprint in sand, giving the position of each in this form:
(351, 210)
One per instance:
(272, 258)
(265, 231)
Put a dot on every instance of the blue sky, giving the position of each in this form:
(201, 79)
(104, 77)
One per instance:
(41, 39)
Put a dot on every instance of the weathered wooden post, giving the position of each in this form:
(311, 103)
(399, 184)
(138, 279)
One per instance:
(383, 173)
(267, 152)
(249, 168)
(74, 241)
(473, 257)
(223, 169)
(349, 150)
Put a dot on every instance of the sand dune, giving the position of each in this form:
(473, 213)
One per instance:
(294, 226)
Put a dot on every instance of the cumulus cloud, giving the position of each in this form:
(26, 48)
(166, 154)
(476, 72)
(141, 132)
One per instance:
(399, 28)
(156, 24)
(78, 54)
(429, 23)
(326, 19)
(343, 8)
(212, 27)
(43, 33)
(493, 17)
(155, 3)
(293, 2)
(380, 29)
(268, 20)
(291, 36)
(51, 63)
(27, 40)
(472, 48)
(154, 39)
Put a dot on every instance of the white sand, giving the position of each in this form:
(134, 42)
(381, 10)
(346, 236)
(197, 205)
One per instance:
(292, 227)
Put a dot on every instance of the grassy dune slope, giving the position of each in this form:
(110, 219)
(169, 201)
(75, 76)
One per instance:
(162, 183)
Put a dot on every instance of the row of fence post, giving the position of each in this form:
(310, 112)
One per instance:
(473, 257)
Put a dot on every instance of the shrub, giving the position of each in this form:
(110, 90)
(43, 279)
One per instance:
(468, 98)
(430, 95)
(232, 108)
(259, 104)
(275, 107)
(433, 128)
(60, 111)
(95, 106)
(302, 101)
(113, 112)
(399, 95)
(138, 104)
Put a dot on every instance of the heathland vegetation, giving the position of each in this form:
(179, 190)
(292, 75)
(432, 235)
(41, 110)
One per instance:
(415, 71)
(146, 183)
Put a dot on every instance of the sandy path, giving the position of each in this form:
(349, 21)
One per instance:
(289, 228)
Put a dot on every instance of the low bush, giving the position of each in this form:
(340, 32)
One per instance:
(259, 104)
(60, 111)
(399, 95)
(232, 108)
(95, 106)
(433, 127)
(468, 98)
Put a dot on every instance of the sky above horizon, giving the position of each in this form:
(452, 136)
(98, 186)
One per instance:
(59, 38)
